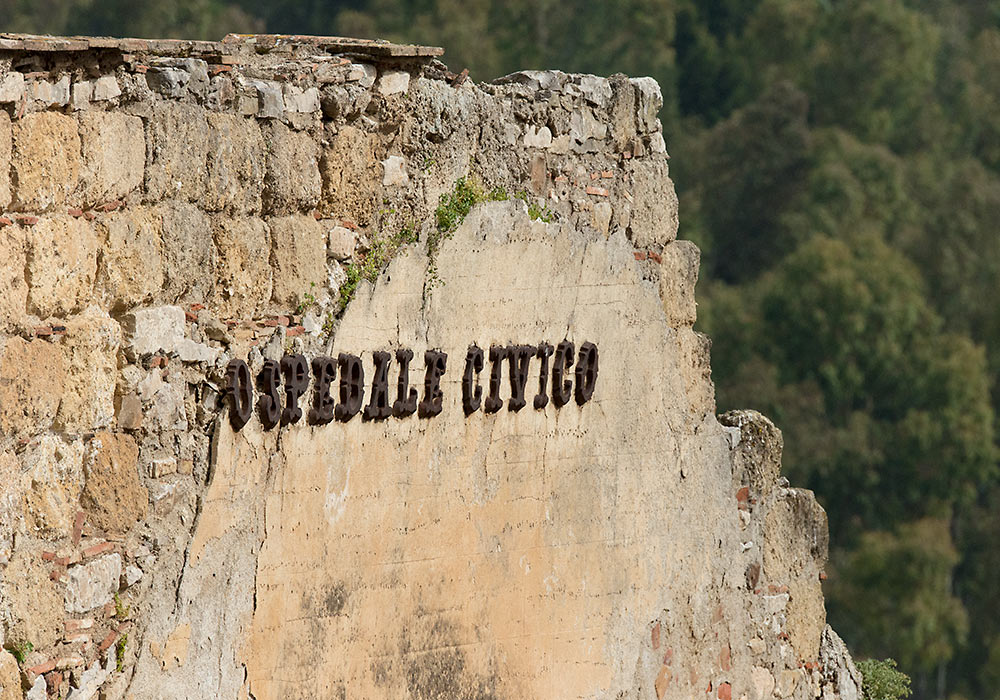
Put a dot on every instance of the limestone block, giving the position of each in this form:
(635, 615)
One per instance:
(13, 253)
(654, 210)
(299, 100)
(394, 172)
(11, 498)
(236, 162)
(342, 241)
(62, 264)
(154, 329)
(762, 683)
(113, 496)
(362, 73)
(292, 181)
(179, 143)
(648, 104)
(50, 93)
(537, 138)
(114, 156)
(38, 690)
(45, 160)
(92, 585)
(596, 90)
(54, 470)
(393, 81)
(12, 87)
(10, 677)
(132, 264)
(166, 410)
(351, 176)
(31, 383)
(83, 93)
(90, 682)
(188, 252)
(33, 599)
(106, 88)
(91, 352)
(243, 268)
(6, 144)
(270, 103)
(678, 276)
(299, 255)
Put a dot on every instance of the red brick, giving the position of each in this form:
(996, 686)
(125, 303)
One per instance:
(607, 174)
(726, 659)
(43, 331)
(89, 215)
(655, 257)
(598, 191)
(283, 320)
(656, 636)
(26, 219)
(190, 316)
(270, 322)
(78, 527)
(75, 212)
(317, 214)
(725, 692)
(347, 223)
(42, 668)
(627, 155)
(743, 495)
(295, 330)
(108, 641)
(197, 307)
(99, 548)
(53, 679)
(640, 255)
(69, 662)
(48, 556)
(77, 637)
(668, 657)
(822, 576)
(594, 176)
(57, 574)
(77, 625)
(5, 221)
(561, 178)
(110, 206)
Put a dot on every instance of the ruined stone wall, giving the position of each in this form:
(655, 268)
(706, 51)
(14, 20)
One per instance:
(170, 207)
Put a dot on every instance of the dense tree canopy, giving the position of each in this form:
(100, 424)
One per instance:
(838, 161)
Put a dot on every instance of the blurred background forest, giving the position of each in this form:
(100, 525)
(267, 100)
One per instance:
(838, 162)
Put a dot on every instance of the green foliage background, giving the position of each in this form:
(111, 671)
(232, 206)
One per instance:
(838, 161)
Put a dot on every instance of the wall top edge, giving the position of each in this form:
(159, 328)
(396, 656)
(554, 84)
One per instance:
(231, 45)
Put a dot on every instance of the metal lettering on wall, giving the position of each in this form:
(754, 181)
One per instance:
(280, 385)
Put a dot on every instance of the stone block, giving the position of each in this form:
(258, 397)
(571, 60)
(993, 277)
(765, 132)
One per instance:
(394, 172)
(154, 329)
(13, 254)
(243, 267)
(678, 277)
(92, 585)
(106, 88)
(648, 103)
(341, 243)
(83, 93)
(299, 100)
(393, 82)
(361, 73)
(292, 181)
(45, 160)
(130, 413)
(113, 496)
(50, 93)
(12, 87)
(188, 252)
(54, 472)
(114, 156)
(166, 410)
(33, 599)
(10, 677)
(90, 350)
(653, 222)
(351, 176)
(62, 264)
(236, 163)
(6, 143)
(299, 257)
(132, 264)
(32, 375)
(179, 137)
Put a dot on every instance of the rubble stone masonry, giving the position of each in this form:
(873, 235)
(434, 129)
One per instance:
(170, 207)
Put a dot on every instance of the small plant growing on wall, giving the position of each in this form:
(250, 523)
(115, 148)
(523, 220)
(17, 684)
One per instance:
(20, 650)
(881, 680)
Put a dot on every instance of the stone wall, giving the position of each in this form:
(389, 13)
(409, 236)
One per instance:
(173, 206)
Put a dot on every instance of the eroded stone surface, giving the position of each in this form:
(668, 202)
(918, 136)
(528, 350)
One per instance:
(113, 496)
(62, 264)
(45, 161)
(91, 585)
(90, 351)
(114, 156)
(299, 247)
